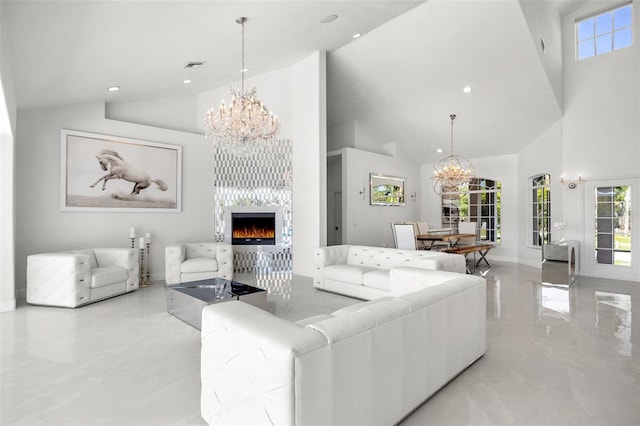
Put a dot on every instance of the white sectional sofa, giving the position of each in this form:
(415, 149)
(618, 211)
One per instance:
(366, 272)
(368, 364)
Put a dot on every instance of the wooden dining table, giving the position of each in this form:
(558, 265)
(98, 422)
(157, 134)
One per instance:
(450, 238)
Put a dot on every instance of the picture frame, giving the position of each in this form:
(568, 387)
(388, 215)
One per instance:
(103, 173)
(386, 190)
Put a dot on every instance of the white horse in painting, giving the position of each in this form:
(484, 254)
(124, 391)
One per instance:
(120, 169)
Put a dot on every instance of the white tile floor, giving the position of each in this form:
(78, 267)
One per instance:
(555, 357)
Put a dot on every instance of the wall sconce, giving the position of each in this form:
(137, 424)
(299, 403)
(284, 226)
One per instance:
(571, 184)
(362, 192)
(414, 196)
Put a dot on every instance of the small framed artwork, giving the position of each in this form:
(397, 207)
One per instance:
(110, 173)
(386, 190)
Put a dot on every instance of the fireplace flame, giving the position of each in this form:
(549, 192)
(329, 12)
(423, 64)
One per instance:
(254, 232)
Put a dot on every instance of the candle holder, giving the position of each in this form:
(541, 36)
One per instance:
(142, 282)
(147, 282)
(144, 264)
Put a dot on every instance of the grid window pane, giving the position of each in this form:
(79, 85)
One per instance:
(622, 38)
(604, 256)
(586, 49)
(604, 43)
(605, 241)
(604, 23)
(622, 17)
(604, 194)
(586, 29)
(605, 210)
(605, 225)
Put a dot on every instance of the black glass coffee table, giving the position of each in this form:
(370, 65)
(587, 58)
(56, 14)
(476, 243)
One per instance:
(186, 300)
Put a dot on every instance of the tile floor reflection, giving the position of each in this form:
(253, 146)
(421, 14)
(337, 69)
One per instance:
(557, 356)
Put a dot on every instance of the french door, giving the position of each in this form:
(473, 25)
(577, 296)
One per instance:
(612, 229)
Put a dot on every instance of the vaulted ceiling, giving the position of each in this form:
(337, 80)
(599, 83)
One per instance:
(401, 79)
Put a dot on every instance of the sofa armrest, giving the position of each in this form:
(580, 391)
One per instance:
(251, 363)
(224, 256)
(122, 257)
(330, 255)
(173, 258)
(58, 279)
(325, 256)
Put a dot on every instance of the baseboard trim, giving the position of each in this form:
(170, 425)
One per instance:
(8, 305)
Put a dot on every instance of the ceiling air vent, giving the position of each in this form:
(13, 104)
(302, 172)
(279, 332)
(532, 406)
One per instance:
(194, 65)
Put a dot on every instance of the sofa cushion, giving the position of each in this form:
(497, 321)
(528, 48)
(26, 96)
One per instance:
(313, 319)
(358, 306)
(199, 264)
(351, 274)
(387, 311)
(101, 277)
(381, 310)
(195, 250)
(339, 328)
(378, 278)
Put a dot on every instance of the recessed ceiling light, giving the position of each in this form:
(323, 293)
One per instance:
(439, 150)
(329, 18)
(187, 81)
(356, 35)
(113, 88)
(467, 89)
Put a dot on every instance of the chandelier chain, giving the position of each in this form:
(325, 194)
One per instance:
(453, 117)
(245, 125)
(242, 70)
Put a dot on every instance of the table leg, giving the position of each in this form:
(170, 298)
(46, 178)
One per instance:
(482, 257)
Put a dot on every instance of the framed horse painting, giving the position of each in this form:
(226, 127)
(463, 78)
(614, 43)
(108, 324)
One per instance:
(110, 173)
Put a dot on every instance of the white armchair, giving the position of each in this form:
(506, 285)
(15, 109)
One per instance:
(198, 261)
(75, 278)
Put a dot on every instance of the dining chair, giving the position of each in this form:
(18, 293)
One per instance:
(467, 228)
(405, 236)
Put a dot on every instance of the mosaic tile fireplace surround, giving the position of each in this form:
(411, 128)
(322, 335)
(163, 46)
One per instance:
(253, 192)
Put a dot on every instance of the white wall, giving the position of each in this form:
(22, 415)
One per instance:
(175, 113)
(341, 135)
(503, 168)
(544, 23)
(364, 224)
(8, 113)
(42, 227)
(309, 130)
(601, 125)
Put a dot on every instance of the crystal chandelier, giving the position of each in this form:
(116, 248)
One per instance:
(451, 171)
(240, 127)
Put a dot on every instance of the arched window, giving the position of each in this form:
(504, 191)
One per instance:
(540, 210)
(477, 201)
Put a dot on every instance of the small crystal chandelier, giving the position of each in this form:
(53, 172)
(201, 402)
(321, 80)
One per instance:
(241, 127)
(452, 171)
